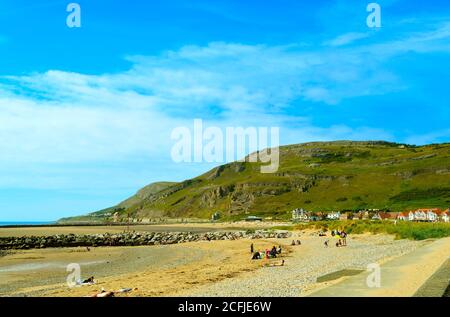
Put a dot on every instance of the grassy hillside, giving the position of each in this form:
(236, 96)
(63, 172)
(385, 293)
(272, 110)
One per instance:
(319, 176)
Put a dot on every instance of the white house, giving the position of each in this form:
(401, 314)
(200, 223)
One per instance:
(444, 216)
(300, 215)
(418, 215)
(334, 215)
(376, 216)
(432, 215)
(429, 215)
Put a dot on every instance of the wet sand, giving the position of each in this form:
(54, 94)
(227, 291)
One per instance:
(153, 270)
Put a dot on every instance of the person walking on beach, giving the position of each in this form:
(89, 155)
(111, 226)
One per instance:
(344, 238)
(251, 248)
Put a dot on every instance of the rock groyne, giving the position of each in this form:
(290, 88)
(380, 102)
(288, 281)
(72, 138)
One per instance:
(129, 239)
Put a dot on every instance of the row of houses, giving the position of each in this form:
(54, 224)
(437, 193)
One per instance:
(422, 215)
(419, 215)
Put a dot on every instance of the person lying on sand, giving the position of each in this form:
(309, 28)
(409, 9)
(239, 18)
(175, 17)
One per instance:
(104, 293)
(89, 280)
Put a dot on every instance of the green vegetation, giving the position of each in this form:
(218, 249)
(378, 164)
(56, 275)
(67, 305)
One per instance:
(401, 230)
(422, 194)
(318, 176)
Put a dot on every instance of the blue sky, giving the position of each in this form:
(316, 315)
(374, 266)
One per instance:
(86, 114)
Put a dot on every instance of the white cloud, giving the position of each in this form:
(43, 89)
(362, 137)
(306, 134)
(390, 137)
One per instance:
(60, 116)
(346, 38)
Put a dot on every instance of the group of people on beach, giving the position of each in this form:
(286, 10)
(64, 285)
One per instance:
(340, 235)
(296, 242)
(267, 254)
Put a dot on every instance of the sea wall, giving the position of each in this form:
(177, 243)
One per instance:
(129, 239)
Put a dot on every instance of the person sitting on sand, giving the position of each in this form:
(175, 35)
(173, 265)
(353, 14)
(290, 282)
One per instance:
(273, 252)
(279, 249)
(256, 256)
(293, 242)
(298, 242)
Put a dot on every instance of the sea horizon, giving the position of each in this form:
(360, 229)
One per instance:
(25, 223)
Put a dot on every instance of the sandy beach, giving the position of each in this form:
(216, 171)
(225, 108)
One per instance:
(204, 268)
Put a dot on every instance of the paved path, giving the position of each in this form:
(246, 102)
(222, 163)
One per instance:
(402, 276)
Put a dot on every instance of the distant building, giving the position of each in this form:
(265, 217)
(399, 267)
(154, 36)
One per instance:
(376, 216)
(444, 216)
(424, 215)
(433, 215)
(402, 216)
(317, 216)
(383, 216)
(300, 215)
(253, 218)
(364, 215)
(393, 215)
(334, 215)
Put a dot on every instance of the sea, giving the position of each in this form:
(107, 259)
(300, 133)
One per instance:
(25, 223)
